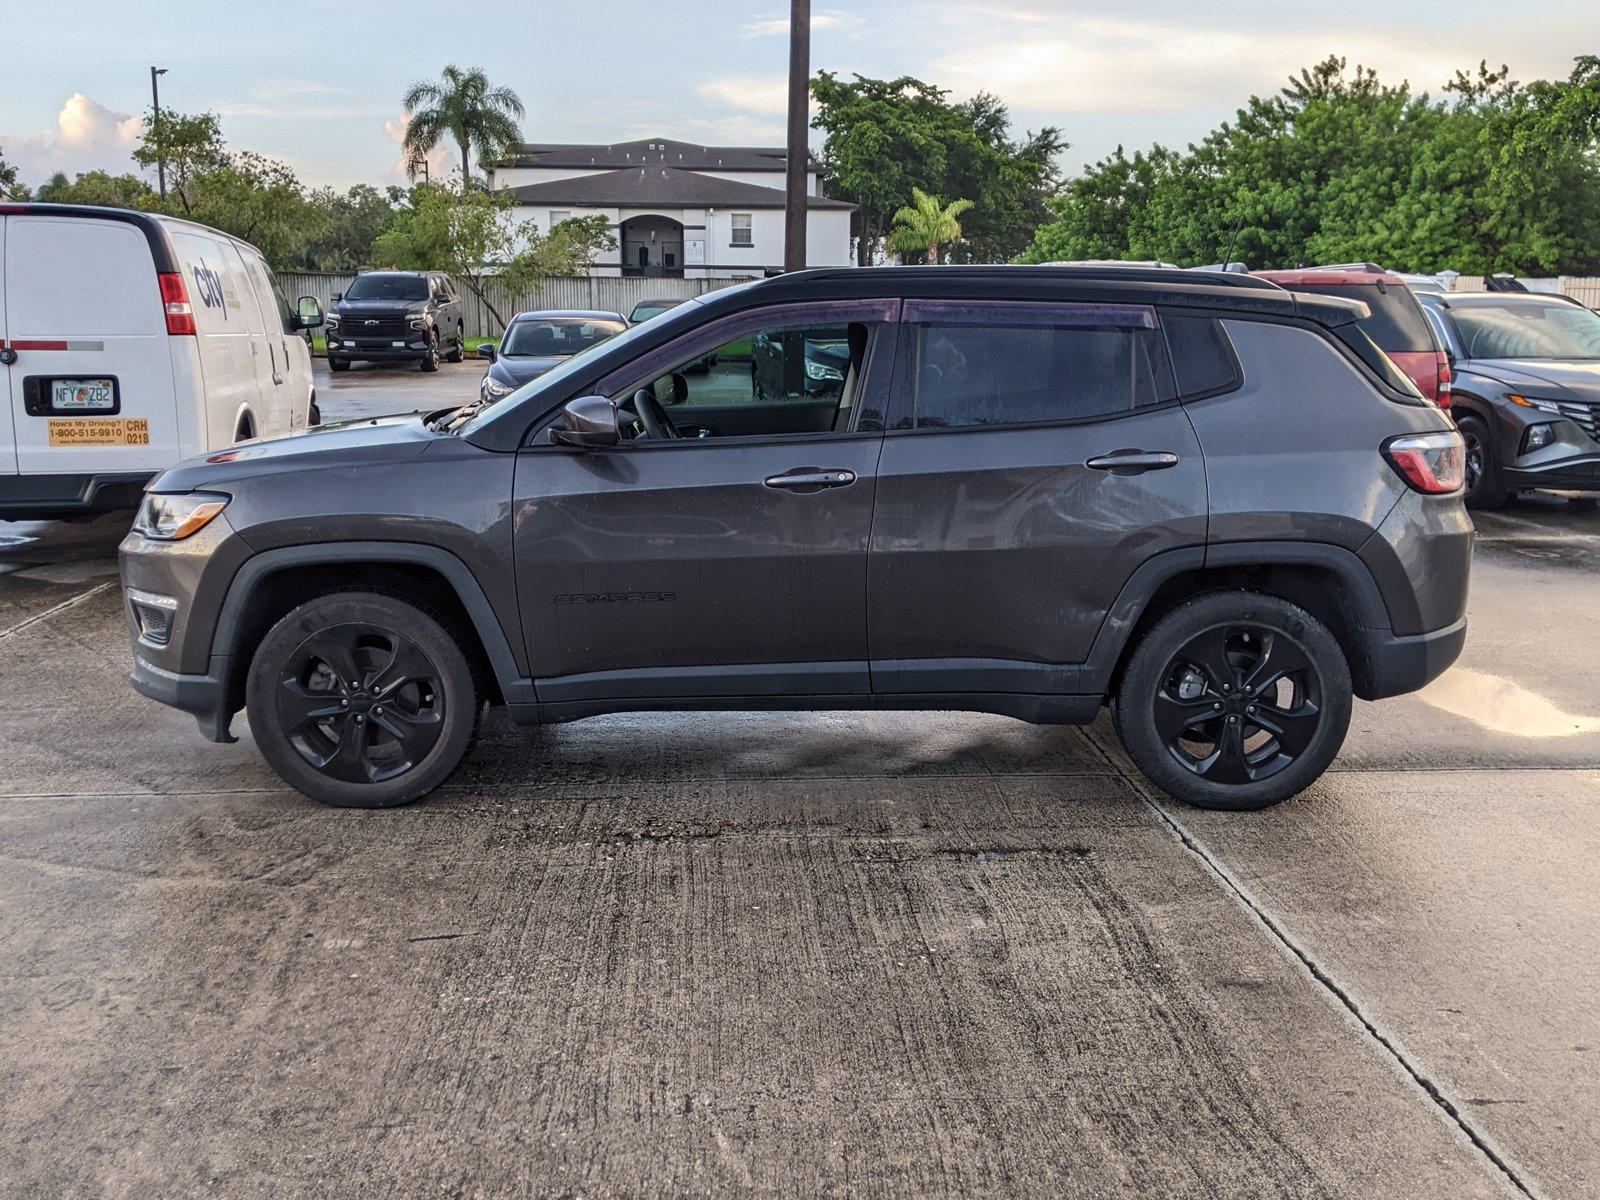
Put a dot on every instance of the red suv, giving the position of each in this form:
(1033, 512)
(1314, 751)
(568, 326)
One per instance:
(1396, 324)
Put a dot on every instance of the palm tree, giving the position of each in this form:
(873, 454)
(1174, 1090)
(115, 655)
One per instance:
(461, 105)
(927, 223)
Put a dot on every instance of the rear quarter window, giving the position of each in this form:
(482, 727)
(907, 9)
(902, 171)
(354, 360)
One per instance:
(1202, 359)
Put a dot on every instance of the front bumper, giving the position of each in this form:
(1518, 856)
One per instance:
(360, 350)
(1580, 474)
(205, 697)
(45, 497)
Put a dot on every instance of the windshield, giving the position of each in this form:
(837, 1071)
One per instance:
(552, 338)
(1526, 330)
(388, 287)
(1396, 323)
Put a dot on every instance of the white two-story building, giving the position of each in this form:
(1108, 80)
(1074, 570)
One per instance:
(676, 209)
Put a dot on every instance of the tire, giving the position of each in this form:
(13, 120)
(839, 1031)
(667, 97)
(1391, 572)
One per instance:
(430, 357)
(458, 349)
(344, 665)
(313, 415)
(1182, 701)
(338, 364)
(1485, 488)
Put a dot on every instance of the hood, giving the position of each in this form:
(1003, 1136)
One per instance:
(358, 308)
(516, 370)
(348, 446)
(1579, 376)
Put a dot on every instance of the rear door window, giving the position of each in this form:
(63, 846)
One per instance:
(1396, 324)
(998, 363)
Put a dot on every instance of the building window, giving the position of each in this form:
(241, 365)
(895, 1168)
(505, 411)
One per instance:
(557, 216)
(743, 233)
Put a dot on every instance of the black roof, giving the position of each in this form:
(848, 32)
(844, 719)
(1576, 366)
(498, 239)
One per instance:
(654, 187)
(657, 151)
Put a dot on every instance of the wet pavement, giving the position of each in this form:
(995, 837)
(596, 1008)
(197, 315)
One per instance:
(802, 954)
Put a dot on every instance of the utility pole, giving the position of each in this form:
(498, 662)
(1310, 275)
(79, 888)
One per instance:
(798, 153)
(155, 127)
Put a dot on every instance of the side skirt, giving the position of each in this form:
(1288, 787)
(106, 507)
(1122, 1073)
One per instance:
(1040, 710)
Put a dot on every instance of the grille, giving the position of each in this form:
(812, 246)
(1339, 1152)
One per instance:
(1585, 416)
(375, 327)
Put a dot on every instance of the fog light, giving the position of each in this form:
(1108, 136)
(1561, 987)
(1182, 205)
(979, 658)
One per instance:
(155, 615)
(1538, 437)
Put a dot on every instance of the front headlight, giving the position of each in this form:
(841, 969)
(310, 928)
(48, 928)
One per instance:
(418, 322)
(332, 320)
(493, 389)
(816, 370)
(169, 518)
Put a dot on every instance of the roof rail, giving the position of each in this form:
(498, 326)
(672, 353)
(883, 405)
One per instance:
(1359, 266)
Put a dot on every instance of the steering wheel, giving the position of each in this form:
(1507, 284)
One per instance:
(652, 416)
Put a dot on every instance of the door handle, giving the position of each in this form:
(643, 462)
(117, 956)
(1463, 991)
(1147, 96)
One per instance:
(1133, 462)
(811, 478)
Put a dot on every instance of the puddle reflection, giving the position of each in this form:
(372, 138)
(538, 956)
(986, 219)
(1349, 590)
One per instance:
(1501, 706)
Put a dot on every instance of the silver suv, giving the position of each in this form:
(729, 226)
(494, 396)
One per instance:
(1205, 501)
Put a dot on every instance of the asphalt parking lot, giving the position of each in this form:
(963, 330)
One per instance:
(801, 954)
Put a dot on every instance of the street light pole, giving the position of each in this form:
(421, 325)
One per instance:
(798, 155)
(155, 128)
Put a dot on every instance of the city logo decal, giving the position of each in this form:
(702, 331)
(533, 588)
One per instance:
(208, 286)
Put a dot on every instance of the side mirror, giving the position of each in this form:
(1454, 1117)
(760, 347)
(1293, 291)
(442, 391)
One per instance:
(680, 389)
(587, 422)
(441, 297)
(336, 297)
(488, 351)
(310, 312)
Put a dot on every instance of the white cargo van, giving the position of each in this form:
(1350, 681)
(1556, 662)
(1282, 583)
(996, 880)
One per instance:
(129, 341)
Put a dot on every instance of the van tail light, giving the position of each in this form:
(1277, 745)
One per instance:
(1433, 463)
(1445, 379)
(175, 302)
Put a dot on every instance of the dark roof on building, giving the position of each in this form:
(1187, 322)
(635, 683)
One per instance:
(660, 151)
(657, 187)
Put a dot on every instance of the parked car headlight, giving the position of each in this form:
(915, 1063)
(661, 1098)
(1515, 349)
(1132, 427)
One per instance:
(418, 322)
(816, 370)
(1538, 437)
(168, 518)
(493, 389)
(332, 320)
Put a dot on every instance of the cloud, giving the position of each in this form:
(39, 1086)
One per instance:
(732, 130)
(88, 136)
(441, 159)
(759, 95)
(828, 20)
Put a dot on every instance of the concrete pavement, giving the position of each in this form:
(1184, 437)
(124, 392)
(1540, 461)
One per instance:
(802, 954)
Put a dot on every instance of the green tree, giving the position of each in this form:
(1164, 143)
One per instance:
(95, 187)
(9, 187)
(888, 136)
(462, 105)
(1337, 167)
(349, 224)
(476, 236)
(926, 224)
(185, 146)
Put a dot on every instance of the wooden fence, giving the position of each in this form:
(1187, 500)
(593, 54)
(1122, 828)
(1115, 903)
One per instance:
(608, 293)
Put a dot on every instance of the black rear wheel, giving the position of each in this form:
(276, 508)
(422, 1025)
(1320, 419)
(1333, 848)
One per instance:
(458, 347)
(1234, 700)
(361, 700)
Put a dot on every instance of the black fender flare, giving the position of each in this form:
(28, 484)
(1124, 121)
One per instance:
(1131, 602)
(514, 686)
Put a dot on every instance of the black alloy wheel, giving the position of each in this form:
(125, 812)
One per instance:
(361, 703)
(1483, 486)
(362, 700)
(1238, 703)
(430, 358)
(1234, 700)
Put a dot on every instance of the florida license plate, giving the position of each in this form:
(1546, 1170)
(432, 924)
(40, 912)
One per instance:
(82, 395)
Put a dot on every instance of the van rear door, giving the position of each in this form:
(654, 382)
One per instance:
(91, 390)
(8, 431)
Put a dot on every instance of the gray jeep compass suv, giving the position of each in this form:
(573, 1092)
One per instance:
(1205, 501)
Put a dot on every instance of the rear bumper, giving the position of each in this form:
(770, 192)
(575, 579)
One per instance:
(43, 497)
(1405, 662)
(205, 697)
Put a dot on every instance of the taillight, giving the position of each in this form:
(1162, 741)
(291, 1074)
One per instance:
(1435, 463)
(1445, 379)
(175, 302)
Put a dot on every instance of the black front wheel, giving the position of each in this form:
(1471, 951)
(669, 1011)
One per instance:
(1234, 700)
(430, 359)
(361, 700)
(1484, 488)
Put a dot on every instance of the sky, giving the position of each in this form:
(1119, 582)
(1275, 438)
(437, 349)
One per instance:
(319, 85)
